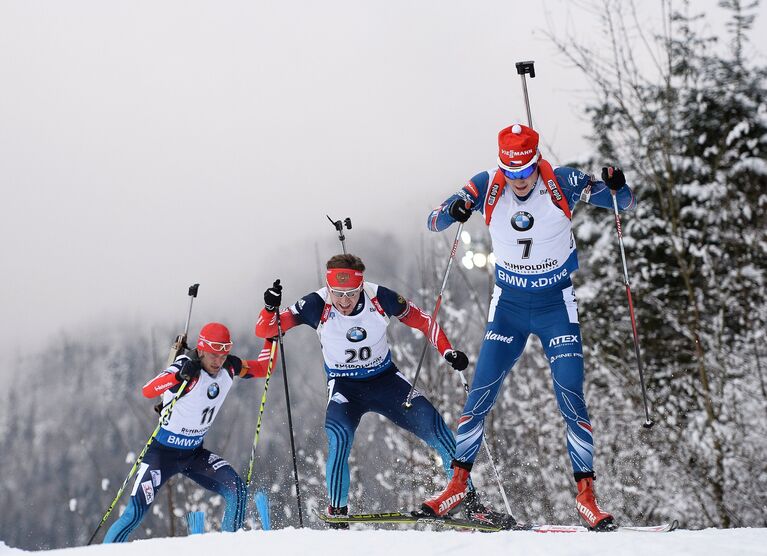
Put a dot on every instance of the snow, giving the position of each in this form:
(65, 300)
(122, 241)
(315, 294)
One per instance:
(285, 542)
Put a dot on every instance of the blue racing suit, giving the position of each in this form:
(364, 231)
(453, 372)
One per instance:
(535, 258)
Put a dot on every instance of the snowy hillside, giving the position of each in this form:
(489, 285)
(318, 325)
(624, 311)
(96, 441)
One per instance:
(284, 542)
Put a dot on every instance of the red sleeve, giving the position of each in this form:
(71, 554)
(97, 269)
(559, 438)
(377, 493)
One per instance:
(266, 326)
(159, 384)
(416, 318)
(257, 368)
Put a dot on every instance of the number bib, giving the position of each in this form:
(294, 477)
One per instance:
(356, 345)
(195, 411)
(532, 241)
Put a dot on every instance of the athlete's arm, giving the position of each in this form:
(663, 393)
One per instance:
(257, 368)
(162, 382)
(473, 192)
(579, 186)
(411, 315)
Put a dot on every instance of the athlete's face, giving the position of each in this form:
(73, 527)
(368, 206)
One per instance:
(212, 362)
(345, 304)
(524, 186)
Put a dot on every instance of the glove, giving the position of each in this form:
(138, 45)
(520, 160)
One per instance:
(613, 177)
(273, 297)
(459, 211)
(457, 359)
(189, 371)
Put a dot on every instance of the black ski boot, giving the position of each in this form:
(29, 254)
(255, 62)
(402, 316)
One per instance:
(478, 512)
(332, 510)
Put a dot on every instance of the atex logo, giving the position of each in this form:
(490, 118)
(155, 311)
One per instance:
(499, 338)
(561, 340)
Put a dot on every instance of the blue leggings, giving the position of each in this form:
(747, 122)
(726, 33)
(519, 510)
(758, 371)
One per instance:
(202, 466)
(349, 400)
(552, 315)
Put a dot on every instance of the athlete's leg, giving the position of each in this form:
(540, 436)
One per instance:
(341, 421)
(422, 419)
(505, 338)
(214, 473)
(557, 326)
(159, 465)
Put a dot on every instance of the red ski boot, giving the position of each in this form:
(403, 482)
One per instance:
(451, 497)
(589, 510)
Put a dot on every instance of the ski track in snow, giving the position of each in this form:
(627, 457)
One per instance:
(286, 542)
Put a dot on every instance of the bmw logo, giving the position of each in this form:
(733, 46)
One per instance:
(356, 334)
(522, 221)
(213, 390)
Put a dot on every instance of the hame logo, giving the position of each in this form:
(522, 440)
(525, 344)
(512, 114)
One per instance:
(492, 336)
(356, 334)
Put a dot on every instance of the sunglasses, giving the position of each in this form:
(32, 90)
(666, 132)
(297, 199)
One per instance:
(519, 174)
(345, 293)
(217, 346)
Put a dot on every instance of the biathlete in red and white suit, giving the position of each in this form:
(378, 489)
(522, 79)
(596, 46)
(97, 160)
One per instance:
(209, 371)
(351, 317)
(527, 206)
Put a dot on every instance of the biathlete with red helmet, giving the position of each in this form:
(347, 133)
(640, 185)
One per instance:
(527, 206)
(351, 317)
(209, 371)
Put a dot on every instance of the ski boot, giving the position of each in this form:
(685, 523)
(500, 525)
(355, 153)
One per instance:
(450, 498)
(475, 510)
(589, 510)
(332, 510)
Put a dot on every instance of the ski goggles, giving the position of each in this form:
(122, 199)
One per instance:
(345, 293)
(519, 174)
(214, 347)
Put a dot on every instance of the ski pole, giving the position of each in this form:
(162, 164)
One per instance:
(489, 455)
(522, 69)
(269, 368)
(339, 226)
(432, 326)
(290, 419)
(178, 347)
(618, 228)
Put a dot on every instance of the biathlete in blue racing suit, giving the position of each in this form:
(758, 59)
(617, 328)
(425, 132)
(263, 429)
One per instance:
(527, 206)
(350, 316)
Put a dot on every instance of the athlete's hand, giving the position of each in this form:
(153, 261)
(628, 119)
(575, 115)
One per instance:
(189, 371)
(613, 177)
(273, 297)
(457, 359)
(459, 211)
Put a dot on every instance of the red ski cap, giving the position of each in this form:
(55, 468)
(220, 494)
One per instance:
(517, 147)
(214, 338)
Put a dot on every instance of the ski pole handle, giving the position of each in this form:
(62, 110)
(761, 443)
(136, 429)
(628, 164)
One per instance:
(522, 69)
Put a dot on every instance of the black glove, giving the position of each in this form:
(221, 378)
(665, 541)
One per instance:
(613, 177)
(189, 371)
(459, 211)
(457, 359)
(273, 297)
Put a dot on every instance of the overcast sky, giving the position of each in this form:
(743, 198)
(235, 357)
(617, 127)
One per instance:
(146, 145)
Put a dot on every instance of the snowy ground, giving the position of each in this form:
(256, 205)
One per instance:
(285, 542)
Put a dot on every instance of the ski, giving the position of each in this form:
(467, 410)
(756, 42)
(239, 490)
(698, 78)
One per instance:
(414, 517)
(661, 528)
(457, 523)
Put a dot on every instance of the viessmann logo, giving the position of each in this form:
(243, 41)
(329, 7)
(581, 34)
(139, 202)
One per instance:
(511, 154)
